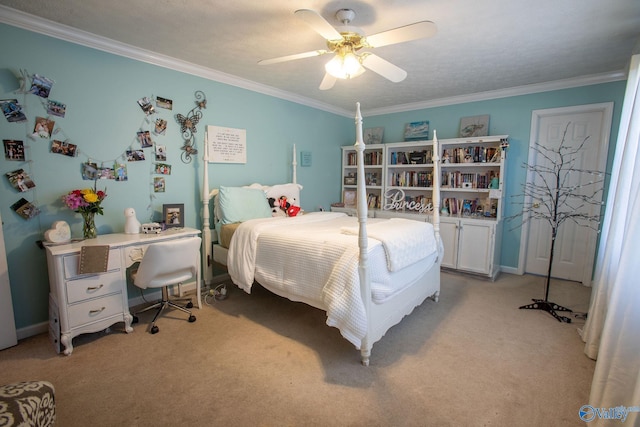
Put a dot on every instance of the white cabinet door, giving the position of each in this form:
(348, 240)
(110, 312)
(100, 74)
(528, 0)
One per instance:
(475, 247)
(8, 337)
(449, 235)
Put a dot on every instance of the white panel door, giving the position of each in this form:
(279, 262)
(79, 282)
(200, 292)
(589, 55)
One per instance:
(575, 245)
(8, 337)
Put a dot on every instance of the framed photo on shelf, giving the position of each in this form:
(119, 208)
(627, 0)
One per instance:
(373, 135)
(173, 215)
(349, 198)
(416, 130)
(474, 126)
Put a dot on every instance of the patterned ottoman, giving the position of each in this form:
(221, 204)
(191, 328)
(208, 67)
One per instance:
(30, 403)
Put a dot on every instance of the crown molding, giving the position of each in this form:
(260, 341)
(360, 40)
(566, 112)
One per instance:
(503, 93)
(49, 28)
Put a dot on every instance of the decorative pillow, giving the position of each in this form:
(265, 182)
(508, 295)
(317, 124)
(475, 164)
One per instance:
(290, 191)
(239, 204)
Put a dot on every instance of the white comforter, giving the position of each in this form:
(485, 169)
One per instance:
(313, 258)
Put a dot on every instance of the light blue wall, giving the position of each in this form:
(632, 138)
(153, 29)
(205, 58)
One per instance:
(101, 91)
(509, 116)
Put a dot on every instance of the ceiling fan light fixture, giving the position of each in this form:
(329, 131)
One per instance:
(344, 66)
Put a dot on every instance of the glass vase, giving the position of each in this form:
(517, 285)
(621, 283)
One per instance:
(89, 230)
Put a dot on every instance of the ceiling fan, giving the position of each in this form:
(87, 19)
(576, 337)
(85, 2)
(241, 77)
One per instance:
(346, 42)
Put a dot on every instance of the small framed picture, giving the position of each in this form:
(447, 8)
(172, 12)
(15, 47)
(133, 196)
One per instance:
(474, 126)
(349, 198)
(173, 215)
(416, 130)
(373, 135)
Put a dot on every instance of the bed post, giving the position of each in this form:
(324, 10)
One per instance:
(436, 187)
(365, 286)
(207, 256)
(294, 165)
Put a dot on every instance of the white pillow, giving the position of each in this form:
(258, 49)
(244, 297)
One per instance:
(290, 191)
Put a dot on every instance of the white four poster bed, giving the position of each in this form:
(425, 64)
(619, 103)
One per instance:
(366, 277)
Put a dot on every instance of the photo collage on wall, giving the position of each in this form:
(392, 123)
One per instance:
(46, 126)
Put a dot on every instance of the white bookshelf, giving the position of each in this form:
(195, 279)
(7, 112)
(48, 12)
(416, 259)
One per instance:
(472, 192)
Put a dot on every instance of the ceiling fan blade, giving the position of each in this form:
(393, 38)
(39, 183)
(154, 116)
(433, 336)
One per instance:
(292, 57)
(418, 30)
(383, 67)
(327, 82)
(318, 23)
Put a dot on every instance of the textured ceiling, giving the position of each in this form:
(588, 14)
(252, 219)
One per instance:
(481, 45)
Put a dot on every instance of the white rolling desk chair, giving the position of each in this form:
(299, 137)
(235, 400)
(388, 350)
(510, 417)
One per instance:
(165, 264)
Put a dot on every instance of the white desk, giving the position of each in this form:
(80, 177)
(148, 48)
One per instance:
(85, 303)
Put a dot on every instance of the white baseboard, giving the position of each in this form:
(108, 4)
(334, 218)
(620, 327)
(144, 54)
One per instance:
(32, 330)
(510, 270)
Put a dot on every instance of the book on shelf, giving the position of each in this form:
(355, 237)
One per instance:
(472, 154)
(373, 201)
(371, 158)
(459, 179)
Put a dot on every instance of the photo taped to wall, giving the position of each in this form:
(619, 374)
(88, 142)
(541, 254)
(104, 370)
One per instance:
(164, 103)
(120, 171)
(144, 136)
(163, 169)
(158, 184)
(63, 147)
(56, 108)
(135, 155)
(13, 150)
(161, 153)
(145, 104)
(40, 86)
(20, 180)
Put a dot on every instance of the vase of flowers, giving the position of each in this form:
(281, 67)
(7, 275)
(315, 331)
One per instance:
(87, 202)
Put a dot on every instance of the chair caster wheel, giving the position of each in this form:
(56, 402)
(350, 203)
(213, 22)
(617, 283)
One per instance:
(189, 304)
(192, 318)
(134, 320)
(155, 330)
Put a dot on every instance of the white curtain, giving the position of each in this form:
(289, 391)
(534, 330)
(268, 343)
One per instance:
(612, 330)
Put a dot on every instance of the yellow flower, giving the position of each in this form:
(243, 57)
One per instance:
(90, 197)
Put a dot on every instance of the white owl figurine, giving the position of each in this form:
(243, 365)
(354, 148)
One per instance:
(131, 223)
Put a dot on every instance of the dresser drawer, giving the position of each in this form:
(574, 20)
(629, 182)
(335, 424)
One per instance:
(93, 286)
(94, 310)
(71, 263)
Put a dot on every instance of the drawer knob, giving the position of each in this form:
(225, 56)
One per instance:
(100, 310)
(95, 288)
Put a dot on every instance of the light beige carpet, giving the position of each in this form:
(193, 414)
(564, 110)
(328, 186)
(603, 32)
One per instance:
(472, 359)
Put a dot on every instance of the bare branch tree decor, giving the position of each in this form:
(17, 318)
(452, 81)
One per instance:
(553, 198)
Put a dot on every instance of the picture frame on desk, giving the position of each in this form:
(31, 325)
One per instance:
(349, 198)
(173, 215)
